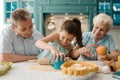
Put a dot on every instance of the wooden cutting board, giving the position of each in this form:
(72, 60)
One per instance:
(41, 67)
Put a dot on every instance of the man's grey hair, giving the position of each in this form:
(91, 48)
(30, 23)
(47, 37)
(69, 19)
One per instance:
(19, 15)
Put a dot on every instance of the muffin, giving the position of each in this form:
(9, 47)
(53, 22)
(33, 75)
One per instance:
(101, 50)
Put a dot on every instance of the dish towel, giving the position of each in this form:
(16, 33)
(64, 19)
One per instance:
(4, 67)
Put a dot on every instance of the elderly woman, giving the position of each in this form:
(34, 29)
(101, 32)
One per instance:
(102, 24)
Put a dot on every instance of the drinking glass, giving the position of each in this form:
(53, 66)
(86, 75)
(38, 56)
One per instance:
(92, 50)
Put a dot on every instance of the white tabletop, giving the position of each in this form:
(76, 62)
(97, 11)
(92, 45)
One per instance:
(19, 71)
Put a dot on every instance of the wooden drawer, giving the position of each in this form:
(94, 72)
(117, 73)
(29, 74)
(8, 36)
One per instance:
(42, 1)
(88, 1)
(65, 1)
(65, 9)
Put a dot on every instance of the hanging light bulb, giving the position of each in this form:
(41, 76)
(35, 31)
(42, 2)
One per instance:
(66, 16)
(52, 17)
(81, 17)
(51, 23)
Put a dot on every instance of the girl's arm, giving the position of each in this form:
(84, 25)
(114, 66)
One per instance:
(43, 43)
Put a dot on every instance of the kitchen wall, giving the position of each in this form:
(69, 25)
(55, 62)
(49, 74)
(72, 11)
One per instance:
(57, 21)
(115, 32)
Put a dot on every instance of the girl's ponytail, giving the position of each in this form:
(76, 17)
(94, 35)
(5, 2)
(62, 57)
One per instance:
(78, 32)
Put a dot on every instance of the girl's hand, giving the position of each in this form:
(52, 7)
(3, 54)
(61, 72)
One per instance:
(54, 51)
(85, 51)
(60, 55)
(67, 59)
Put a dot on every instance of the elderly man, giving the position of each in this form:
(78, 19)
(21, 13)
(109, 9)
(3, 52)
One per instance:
(18, 42)
(102, 24)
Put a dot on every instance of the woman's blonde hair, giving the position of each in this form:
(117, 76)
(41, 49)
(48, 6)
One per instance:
(103, 18)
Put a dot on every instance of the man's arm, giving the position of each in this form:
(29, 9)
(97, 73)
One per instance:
(6, 57)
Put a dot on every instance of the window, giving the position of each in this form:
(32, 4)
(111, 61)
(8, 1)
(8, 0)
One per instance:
(29, 5)
(116, 12)
(11, 5)
(104, 7)
(110, 7)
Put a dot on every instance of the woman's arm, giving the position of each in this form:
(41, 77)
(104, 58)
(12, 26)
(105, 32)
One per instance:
(75, 53)
(113, 55)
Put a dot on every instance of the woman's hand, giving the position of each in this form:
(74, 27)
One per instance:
(85, 51)
(91, 45)
(103, 57)
(67, 59)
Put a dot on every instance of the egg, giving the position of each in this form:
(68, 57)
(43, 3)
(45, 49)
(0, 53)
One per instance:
(106, 69)
(1, 67)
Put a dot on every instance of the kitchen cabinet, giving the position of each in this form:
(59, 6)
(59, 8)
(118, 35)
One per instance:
(45, 8)
(66, 2)
(89, 1)
(43, 2)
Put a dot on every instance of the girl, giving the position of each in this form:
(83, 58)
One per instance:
(60, 43)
